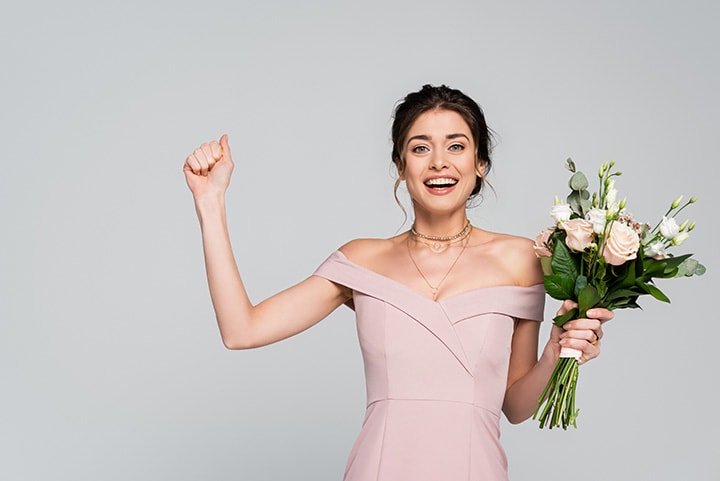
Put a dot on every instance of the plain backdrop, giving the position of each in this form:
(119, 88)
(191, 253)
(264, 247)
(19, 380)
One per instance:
(111, 365)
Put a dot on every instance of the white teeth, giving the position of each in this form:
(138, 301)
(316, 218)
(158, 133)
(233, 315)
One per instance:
(441, 181)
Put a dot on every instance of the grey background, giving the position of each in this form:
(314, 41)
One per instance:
(111, 367)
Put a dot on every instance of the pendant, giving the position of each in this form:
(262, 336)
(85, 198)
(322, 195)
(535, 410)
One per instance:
(438, 247)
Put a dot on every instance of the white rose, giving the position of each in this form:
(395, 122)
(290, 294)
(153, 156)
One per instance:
(656, 250)
(597, 218)
(669, 228)
(561, 213)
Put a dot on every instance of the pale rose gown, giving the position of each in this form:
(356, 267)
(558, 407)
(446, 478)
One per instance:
(436, 374)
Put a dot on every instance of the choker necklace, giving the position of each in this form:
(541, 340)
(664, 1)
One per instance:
(439, 243)
(436, 289)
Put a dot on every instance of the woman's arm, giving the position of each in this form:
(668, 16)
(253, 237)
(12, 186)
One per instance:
(242, 324)
(528, 376)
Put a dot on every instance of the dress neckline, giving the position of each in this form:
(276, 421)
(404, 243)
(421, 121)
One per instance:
(441, 300)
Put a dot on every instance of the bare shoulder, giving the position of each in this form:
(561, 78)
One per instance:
(361, 250)
(517, 256)
(372, 253)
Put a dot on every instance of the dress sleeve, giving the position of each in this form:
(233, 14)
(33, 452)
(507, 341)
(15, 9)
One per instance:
(337, 269)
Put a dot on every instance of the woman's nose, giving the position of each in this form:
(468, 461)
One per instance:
(438, 161)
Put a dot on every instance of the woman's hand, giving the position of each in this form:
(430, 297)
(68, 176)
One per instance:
(583, 335)
(208, 169)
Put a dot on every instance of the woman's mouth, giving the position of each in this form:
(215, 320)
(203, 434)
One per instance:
(440, 183)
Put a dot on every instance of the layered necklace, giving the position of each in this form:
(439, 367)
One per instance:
(439, 244)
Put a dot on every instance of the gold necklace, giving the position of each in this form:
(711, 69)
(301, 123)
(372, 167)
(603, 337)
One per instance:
(440, 243)
(435, 289)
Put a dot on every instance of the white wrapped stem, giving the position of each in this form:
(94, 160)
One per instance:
(569, 352)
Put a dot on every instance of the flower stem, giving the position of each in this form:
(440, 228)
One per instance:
(556, 405)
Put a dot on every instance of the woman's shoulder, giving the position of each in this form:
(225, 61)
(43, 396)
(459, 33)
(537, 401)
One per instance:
(516, 255)
(506, 243)
(369, 251)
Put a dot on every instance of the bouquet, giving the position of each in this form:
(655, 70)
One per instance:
(598, 255)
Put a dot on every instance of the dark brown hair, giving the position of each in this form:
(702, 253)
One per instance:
(442, 98)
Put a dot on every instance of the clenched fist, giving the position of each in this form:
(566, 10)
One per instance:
(208, 169)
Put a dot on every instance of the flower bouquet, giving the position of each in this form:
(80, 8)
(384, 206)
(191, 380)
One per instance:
(598, 255)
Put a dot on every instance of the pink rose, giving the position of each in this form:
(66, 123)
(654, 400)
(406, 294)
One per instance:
(542, 248)
(579, 234)
(621, 244)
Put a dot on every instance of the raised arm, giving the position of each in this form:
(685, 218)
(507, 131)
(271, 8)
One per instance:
(244, 325)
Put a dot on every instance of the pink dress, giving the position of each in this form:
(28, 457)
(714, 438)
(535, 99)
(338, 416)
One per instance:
(436, 374)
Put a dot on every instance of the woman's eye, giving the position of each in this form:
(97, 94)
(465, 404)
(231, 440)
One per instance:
(457, 147)
(419, 149)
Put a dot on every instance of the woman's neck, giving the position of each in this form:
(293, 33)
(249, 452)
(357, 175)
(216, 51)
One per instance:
(440, 225)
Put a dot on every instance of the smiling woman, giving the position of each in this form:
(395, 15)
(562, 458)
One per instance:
(447, 313)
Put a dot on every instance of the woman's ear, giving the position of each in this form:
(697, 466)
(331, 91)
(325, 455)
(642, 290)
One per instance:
(400, 168)
(480, 165)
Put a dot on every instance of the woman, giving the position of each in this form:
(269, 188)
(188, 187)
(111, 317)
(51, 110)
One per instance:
(447, 312)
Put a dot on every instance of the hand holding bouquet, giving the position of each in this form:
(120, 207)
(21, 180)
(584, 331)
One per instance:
(598, 255)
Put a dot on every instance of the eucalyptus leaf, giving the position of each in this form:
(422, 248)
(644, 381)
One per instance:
(687, 268)
(578, 181)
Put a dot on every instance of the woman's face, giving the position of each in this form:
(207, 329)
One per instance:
(440, 161)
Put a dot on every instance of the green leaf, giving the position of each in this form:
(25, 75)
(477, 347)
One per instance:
(568, 316)
(653, 268)
(580, 283)
(654, 291)
(559, 287)
(620, 293)
(625, 303)
(674, 262)
(570, 165)
(587, 299)
(627, 279)
(563, 261)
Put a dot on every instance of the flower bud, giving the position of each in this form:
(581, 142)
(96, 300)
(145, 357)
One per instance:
(680, 238)
(691, 226)
(610, 194)
(676, 202)
(684, 225)
(623, 203)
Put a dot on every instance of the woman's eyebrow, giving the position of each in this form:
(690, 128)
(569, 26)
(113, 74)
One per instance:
(418, 137)
(456, 136)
